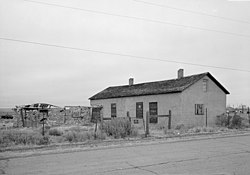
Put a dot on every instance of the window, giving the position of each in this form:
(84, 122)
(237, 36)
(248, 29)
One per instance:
(205, 85)
(199, 109)
(153, 110)
(113, 110)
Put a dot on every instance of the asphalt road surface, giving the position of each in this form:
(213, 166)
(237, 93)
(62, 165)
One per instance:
(222, 156)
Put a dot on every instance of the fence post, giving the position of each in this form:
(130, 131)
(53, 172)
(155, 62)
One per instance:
(43, 123)
(169, 120)
(96, 122)
(206, 117)
(22, 118)
(101, 116)
(248, 113)
(147, 124)
(128, 116)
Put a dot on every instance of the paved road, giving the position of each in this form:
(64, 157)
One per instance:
(213, 156)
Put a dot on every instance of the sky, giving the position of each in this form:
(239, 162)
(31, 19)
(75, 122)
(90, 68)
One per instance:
(88, 36)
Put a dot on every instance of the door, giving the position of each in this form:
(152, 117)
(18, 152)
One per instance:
(139, 110)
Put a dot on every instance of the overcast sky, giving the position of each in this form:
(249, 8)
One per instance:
(31, 73)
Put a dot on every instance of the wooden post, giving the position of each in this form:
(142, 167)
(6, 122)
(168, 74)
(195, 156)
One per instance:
(22, 117)
(169, 120)
(25, 118)
(96, 122)
(206, 117)
(128, 116)
(147, 124)
(101, 116)
(43, 123)
(64, 117)
(248, 113)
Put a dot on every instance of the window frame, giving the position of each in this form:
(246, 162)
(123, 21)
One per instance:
(152, 108)
(153, 111)
(199, 109)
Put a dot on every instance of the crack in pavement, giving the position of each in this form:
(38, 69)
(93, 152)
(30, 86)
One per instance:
(137, 167)
(3, 166)
(168, 162)
(149, 165)
(236, 143)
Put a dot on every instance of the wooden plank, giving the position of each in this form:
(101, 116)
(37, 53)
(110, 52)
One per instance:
(107, 118)
(159, 115)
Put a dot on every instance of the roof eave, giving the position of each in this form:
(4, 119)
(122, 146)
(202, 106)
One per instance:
(173, 92)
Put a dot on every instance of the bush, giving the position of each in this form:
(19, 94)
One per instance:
(195, 130)
(100, 135)
(22, 137)
(200, 129)
(55, 132)
(179, 126)
(118, 128)
(245, 123)
(208, 129)
(170, 132)
(223, 120)
(236, 122)
(229, 121)
(73, 136)
(77, 129)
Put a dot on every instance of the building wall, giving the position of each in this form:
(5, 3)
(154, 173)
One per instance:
(165, 103)
(214, 100)
(182, 105)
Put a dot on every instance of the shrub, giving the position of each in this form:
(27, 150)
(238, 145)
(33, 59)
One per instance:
(229, 121)
(100, 135)
(195, 130)
(170, 132)
(77, 129)
(55, 132)
(73, 136)
(200, 129)
(22, 137)
(245, 123)
(161, 125)
(223, 120)
(236, 122)
(179, 126)
(46, 129)
(118, 128)
(208, 129)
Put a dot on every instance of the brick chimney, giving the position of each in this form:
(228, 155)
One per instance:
(131, 81)
(180, 73)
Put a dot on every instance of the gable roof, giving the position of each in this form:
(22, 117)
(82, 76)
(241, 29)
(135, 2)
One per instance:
(154, 88)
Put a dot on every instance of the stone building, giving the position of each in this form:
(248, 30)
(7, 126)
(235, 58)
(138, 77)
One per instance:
(193, 100)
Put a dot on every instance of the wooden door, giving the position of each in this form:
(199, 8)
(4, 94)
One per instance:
(139, 110)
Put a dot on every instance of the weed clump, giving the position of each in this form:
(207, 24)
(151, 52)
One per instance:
(22, 137)
(119, 128)
(55, 132)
